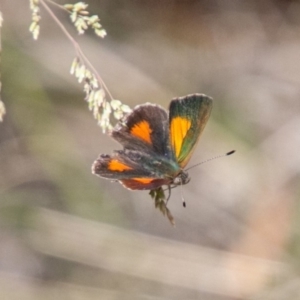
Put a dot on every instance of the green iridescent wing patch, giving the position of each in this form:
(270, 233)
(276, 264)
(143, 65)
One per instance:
(187, 118)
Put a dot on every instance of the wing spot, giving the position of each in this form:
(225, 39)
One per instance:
(178, 129)
(142, 130)
(115, 165)
(143, 180)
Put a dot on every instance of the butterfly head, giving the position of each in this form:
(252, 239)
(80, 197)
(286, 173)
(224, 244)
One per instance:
(181, 179)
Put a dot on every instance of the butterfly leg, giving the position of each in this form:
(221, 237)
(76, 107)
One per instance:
(169, 189)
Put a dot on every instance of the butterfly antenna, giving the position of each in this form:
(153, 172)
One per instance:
(213, 158)
(183, 201)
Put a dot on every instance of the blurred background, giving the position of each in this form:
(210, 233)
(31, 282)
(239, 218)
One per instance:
(66, 234)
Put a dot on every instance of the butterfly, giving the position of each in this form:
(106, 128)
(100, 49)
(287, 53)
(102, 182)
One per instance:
(157, 145)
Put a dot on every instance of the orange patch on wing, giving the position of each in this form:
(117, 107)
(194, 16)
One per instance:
(143, 180)
(142, 130)
(178, 130)
(115, 165)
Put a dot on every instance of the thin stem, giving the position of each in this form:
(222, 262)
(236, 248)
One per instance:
(57, 5)
(78, 49)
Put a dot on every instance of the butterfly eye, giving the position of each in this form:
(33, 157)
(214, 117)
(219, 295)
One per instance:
(184, 177)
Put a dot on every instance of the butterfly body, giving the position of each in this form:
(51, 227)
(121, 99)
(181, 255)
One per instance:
(157, 144)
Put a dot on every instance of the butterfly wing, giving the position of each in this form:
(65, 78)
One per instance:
(145, 129)
(134, 169)
(187, 118)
